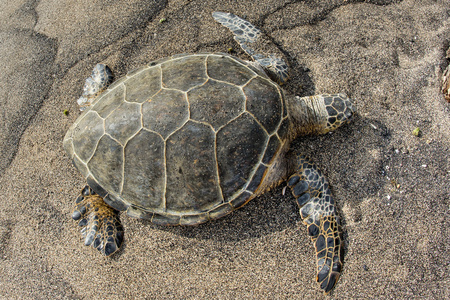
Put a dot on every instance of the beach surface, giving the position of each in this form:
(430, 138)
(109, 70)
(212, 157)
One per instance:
(392, 187)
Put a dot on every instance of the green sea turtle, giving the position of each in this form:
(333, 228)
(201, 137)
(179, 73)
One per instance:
(192, 137)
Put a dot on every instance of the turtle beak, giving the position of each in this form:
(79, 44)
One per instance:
(350, 108)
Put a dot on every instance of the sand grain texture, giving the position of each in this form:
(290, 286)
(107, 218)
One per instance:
(392, 188)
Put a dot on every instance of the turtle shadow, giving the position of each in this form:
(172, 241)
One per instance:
(300, 82)
(266, 214)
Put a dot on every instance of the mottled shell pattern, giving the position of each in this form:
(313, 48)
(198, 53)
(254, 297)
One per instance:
(182, 140)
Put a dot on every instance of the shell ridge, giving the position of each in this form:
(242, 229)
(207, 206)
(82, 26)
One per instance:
(261, 156)
(248, 82)
(221, 127)
(197, 86)
(82, 162)
(259, 123)
(114, 139)
(201, 122)
(96, 145)
(217, 167)
(164, 199)
(123, 158)
(178, 128)
(112, 111)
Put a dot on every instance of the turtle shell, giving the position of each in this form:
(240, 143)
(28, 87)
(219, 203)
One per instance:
(181, 140)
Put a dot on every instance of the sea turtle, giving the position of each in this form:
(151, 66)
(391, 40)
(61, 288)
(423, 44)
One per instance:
(192, 137)
(446, 80)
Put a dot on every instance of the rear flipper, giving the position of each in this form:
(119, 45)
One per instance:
(99, 81)
(317, 210)
(100, 223)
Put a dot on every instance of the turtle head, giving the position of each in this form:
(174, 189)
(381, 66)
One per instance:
(321, 113)
(340, 110)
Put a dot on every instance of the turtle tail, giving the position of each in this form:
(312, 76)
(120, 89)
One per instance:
(317, 210)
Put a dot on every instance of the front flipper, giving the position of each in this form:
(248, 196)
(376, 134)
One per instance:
(244, 32)
(256, 44)
(100, 223)
(317, 210)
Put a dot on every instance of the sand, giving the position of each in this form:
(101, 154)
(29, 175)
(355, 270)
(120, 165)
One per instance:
(392, 187)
